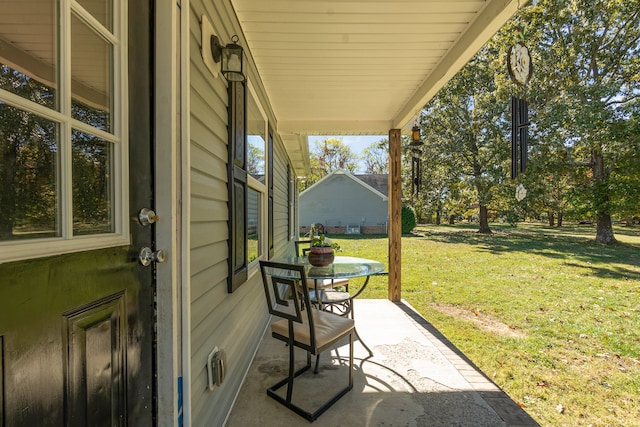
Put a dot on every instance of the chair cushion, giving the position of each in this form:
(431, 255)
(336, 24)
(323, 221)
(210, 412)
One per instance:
(329, 327)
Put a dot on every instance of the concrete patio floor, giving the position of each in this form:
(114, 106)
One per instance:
(415, 378)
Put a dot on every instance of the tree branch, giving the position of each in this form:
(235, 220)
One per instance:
(572, 162)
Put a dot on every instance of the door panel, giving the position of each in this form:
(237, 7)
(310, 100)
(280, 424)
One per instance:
(76, 330)
(72, 323)
(95, 338)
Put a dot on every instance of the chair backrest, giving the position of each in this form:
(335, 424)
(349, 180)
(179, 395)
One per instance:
(286, 297)
(318, 229)
(302, 247)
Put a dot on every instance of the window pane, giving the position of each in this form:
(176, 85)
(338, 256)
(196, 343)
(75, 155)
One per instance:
(91, 76)
(256, 128)
(255, 157)
(92, 187)
(28, 56)
(253, 225)
(28, 177)
(99, 9)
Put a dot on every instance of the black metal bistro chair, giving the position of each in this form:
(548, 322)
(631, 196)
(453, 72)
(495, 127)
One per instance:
(325, 297)
(303, 326)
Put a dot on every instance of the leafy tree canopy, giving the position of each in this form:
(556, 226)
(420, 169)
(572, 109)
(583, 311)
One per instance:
(327, 156)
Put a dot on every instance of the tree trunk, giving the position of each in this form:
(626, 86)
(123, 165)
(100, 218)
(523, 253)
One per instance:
(604, 227)
(439, 212)
(8, 170)
(551, 219)
(484, 221)
(452, 219)
(559, 219)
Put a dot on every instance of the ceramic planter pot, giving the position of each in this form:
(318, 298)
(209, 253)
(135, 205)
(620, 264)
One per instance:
(321, 256)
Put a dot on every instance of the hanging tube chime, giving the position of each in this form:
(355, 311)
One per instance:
(416, 160)
(519, 135)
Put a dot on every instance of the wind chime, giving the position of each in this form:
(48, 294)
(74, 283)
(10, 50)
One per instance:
(416, 160)
(520, 70)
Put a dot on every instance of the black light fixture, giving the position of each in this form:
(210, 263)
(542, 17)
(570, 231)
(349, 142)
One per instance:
(232, 57)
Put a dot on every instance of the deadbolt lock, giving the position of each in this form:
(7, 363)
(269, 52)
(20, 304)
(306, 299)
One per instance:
(147, 217)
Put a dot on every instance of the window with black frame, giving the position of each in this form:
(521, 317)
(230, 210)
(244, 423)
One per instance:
(248, 177)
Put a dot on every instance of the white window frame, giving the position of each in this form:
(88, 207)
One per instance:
(261, 188)
(291, 202)
(26, 249)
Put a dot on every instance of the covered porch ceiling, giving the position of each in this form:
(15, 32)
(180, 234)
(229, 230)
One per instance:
(359, 67)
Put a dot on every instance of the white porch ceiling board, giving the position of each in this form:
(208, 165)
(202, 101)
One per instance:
(363, 6)
(361, 66)
(375, 38)
(352, 55)
(424, 27)
(340, 127)
(362, 17)
(319, 124)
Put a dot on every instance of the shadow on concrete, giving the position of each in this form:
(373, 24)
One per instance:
(416, 377)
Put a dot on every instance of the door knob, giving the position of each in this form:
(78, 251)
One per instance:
(147, 256)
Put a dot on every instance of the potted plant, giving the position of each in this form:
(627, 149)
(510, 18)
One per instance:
(321, 252)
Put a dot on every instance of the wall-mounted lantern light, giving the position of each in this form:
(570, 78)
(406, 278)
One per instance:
(232, 58)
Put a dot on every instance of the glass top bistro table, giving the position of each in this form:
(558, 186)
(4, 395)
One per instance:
(343, 267)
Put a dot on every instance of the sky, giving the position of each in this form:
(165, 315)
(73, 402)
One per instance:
(356, 143)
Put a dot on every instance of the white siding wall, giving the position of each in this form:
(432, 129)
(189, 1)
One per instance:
(280, 202)
(233, 322)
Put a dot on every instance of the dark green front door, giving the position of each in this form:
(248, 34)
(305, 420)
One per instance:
(76, 330)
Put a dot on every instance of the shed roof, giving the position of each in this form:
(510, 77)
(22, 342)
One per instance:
(379, 181)
(347, 174)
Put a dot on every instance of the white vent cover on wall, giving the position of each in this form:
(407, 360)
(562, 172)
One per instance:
(353, 229)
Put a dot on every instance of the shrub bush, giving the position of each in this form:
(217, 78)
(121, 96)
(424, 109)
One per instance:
(408, 219)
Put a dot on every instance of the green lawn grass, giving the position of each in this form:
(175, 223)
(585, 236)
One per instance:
(549, 315)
